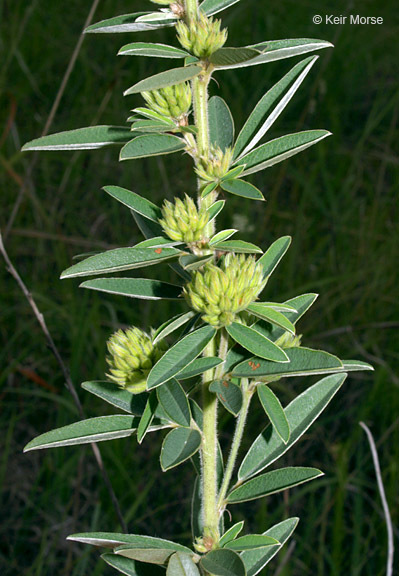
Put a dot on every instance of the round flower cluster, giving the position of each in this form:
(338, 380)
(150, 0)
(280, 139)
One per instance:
(216, 165)
(201, 37)
(172, 102)
(182, 221)
(221, 292)
(131, 357)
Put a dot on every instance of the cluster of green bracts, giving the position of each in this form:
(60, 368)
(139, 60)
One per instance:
(229, 342)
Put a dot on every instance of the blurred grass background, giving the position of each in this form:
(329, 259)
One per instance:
(339, 202)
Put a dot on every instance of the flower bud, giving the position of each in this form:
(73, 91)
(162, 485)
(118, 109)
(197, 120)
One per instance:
(288, 340)
(172, 102)
(215, 166)
(131, 357)
(221, 292)
(182, 221)
(201, 37)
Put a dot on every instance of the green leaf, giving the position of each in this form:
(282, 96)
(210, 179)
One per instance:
(222, 235)
(193, 262)
(302, 362)
(174, 401)
(135, 202)
(280, 149)
(221, 124)
(150, 49)
(271, 483)
(151, 145)
(300, 413)
(197, 524)
(181, 564)
(270, 107)
(199, 366)
(180, 356)
(256, 560)
(229, 394)
(215, 209)
(250, 542)
(130, 568)
(274, 254)
(355, 365)
(154, 551)
(85, 432)
(233, 173)
(179, 445)
(274, 410)
(164, 79)
(211, 7)
(280, 49)
(151, 126)
(135, 288)
(171, 325)
(231, 533)
(118, 260)
(128, 23)
(123, 399)
(147, 417)
(256, 343)
(237, 246)
(152, 115)
(209, 188)
(226, 58)
(242, 188)
(81, 139)
(266, 313)
(222, 562)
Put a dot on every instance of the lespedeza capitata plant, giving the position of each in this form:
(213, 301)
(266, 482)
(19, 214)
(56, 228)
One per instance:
(233, 343)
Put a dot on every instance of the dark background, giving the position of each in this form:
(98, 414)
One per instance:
(339, 202)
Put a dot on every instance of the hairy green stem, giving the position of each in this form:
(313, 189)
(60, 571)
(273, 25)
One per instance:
(247, 393)
(191, 9)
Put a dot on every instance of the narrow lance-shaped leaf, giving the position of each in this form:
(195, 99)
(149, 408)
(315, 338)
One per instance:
(239, 246)
(141, 288)
(156, 552)
(118, 260)
(113, 539)
(135, 202)
(129, 23)
(211, 7)
(179, 445)
(280, 149)
(221, 124)
(302, 362)
(231, 57)
(152, 50)
(280, 49)
(270, 107)
(256, 343)
(113, 394)
(181, 564)
(274, 410)
(271, 483)
(151, 145)
(222, 235)
(300, 413)
(265, 313)
(147, 417)
(242, 188)
(250, 542)
(164, 79)
(256, 560)
(199, 366)
(271, 258)
(231, 533)
(81, 139)
(171, 325)
(180, 356)
(174, 401)
(85, 432)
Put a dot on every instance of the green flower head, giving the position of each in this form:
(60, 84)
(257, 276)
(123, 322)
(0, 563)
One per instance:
(216, 165)
(201, 37)
(221, 292)
(172, 102)
(182, 221)
(131, 357)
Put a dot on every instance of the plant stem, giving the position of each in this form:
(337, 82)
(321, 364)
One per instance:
(247, 393)
(191, 9)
